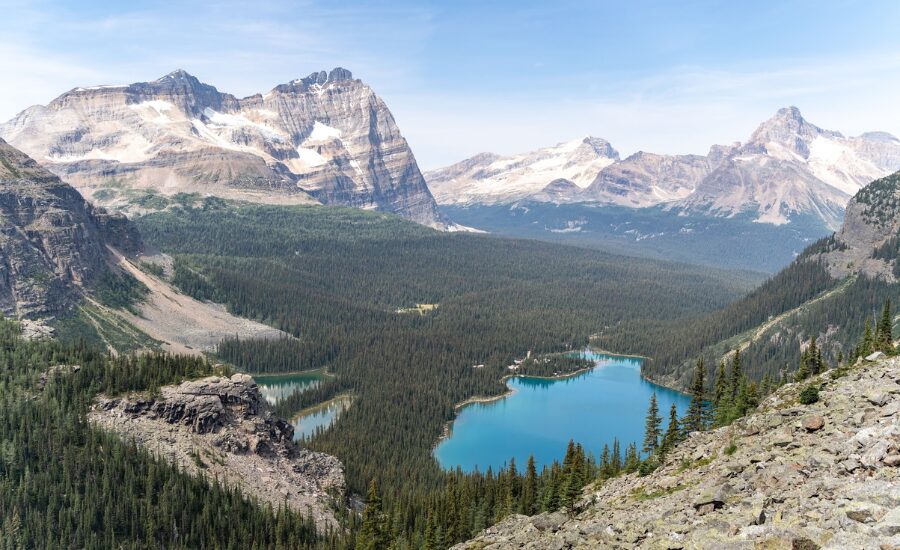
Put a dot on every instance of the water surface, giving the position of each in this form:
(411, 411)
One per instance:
(319, 417)
(275, 387)
(610, 401)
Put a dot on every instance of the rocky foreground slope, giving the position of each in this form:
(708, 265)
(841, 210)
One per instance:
(326, 137)
(221, 428)
(825, 475)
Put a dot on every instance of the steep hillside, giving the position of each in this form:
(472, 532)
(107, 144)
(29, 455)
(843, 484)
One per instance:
(53, 244)
(823, 475)
(827, 294)
(326, 137)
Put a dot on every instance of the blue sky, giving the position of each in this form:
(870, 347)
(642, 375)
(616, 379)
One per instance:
(463, 77)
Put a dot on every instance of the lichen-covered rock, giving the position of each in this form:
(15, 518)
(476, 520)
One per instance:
(222, 428)
(816, 476)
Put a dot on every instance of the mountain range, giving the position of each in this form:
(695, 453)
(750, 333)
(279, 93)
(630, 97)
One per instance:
(325, 138)
(789, 167)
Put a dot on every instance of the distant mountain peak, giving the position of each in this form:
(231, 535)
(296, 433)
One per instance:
(601, 147)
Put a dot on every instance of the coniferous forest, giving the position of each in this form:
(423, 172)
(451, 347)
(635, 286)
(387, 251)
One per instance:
(400, 316)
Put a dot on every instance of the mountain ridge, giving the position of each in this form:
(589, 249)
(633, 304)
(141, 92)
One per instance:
(323, 138)
(788, 167)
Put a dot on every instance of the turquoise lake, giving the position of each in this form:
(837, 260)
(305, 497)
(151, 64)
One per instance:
(609, 401)
(276, 387)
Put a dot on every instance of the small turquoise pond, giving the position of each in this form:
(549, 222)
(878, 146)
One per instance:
(609, 401)
(275, 387)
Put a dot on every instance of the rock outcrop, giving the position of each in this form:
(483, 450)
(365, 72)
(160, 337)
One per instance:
(869, 239)
(788, 476)
(53, 244)
(222, 428)
(326, 137)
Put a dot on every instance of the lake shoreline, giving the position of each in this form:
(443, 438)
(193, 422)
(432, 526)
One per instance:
(447, 430)
(606, 387)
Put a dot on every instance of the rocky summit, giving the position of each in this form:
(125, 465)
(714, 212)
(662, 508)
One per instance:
(53, 244)
(792, 476)
(221, 428)
(323, 138)
(788, 168)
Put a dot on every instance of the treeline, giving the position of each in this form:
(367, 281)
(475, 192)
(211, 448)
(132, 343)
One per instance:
(467, 503)
(64, 484)
(335, 278)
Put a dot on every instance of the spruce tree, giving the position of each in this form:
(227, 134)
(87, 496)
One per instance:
(885, 331)
(529, 489)
(372, 533)
(652, 426)
(694, 421)
(735, 375)
(673, 431)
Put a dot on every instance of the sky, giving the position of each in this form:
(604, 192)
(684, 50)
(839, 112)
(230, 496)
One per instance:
(464, 77)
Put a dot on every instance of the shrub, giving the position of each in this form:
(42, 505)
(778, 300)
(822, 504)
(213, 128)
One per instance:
(648, 466)
(809, 395)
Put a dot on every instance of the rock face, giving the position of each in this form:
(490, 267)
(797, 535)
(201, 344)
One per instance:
(801, 476)
(326, 137)
(869, 239)
(646, 179)
(789, 167)
(492, 179)
(222, 428)
(52, 242)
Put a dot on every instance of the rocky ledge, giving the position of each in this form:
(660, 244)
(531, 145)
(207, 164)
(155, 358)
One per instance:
(221, 428)
(789, 476)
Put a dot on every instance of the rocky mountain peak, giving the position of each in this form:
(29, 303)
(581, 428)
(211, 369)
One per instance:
(601, 147)
(788, 128)
(325, 138)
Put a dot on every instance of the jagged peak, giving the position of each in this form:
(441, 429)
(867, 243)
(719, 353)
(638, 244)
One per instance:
(788, 126)
(601, 147)
(178, 74)
(318, 78)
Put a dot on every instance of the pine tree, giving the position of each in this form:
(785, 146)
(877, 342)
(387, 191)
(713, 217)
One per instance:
(694, 421)
(616, 458)
(606, 470)
(632, 461)
(867, 341)
(803, 370)
(372, 533)
(529, 489)
(721, 385)
(885, 331)
(735, 375)
(652, 426)
(813, 357)
(673, 431)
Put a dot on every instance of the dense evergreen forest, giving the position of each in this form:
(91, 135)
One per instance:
(64, 484)
(346, 284)
(833, 310)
